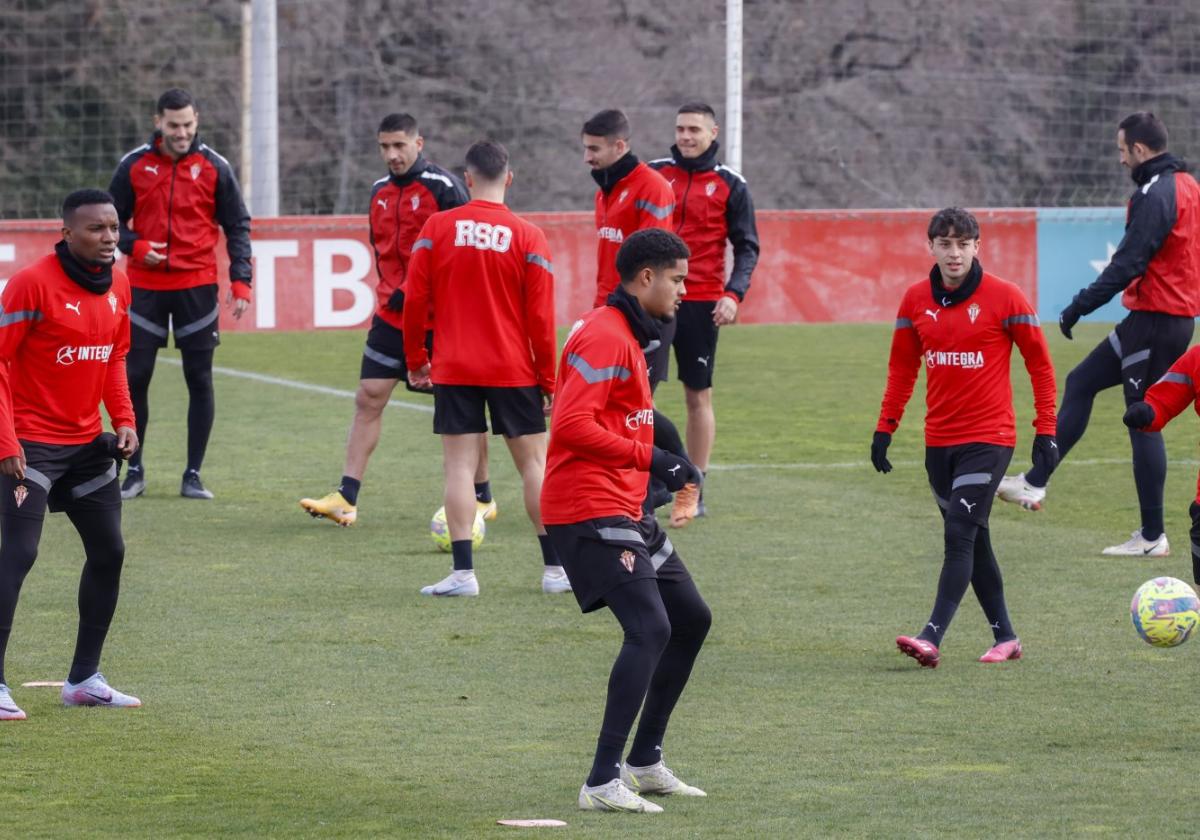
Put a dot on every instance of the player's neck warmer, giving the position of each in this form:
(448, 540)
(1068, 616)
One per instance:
(1166, 162)
(414, 172)
(645, 329)
(96, 279)
(943, 297)
(608, 178)
(706, 161)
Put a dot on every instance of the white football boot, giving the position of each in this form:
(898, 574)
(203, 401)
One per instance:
(657, 778)
(95, 691)
(1015, 489)
(554, 580)
(1139, 546)
(454, 584)
(615, 796)
(9, 710)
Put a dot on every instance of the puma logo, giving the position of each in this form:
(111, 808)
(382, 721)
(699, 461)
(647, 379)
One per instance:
(702, 360)
(674, 469)
(936, 628)
(932, 313)
(382, 202)
(74, 307)
(153, 170)
(968, 505)
(1136, 383)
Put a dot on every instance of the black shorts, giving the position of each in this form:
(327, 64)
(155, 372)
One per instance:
(383, 355)
(1145, 345)
(696, 343)
(61, 478)
(964, 478)
(458, 410)
(658, 356)
(191, 313)
(599, 555)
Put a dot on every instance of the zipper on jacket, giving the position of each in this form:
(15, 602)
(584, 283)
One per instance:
(170, 202)
(683, 203)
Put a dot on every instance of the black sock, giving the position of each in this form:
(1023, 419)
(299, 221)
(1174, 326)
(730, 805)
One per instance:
(202, 404)
(549, 555)
(1149, 476)
(956, 576)
(349, 489)
(989, 588)
(483, 491)
(99, 585)
(462, 555)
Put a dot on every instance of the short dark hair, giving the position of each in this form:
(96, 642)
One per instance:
(488, 159)
(697, 107)
(955, 219)
(174, 99)
(610, 123)
(649, 248)
(398, 122)
(1145, 128)
(82, 198)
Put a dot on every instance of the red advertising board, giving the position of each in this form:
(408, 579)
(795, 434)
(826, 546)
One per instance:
(317, 272)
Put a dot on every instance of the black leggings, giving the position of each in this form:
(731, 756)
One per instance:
(104, 550)
(665, 623)
(202, 405)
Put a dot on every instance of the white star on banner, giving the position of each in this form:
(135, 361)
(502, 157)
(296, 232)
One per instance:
(1100, 265)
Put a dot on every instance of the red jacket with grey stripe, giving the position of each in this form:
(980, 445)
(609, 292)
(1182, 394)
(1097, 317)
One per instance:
(966, 348)
(183, 203)
(632, 196)
(1178, 388)
(602, 431)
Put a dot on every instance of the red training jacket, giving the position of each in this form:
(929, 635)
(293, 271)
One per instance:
(180, 202)
(1174, 392)
(602, 428)
(966, 349)
(488, 276)
(62, 351)
(641, 199)
(400, 206)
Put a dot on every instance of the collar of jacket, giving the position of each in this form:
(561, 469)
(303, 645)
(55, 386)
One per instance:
(611, 176)
(644, 328)
(704, 162)
(156, 144)
(94, 278)
(413, 173)
(1166, 162)
(944, 297)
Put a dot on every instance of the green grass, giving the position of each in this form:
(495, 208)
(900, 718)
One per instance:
(295, 683)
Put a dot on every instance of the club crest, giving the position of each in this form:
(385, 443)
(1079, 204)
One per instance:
(973, 312)
(710, 188)
(416, 202)
(627, 559)
(112, 301)
(21, 493)
(195, 170)
(624, 195)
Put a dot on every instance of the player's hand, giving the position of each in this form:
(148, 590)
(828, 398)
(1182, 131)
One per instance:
(1139, 415)
(239, 296)
(395, 301)
(547, 403)
(157, 254)
(127, 441)
(14, 466)
(879, 447)
(725, 311)
(1068, 319)
(674, 470)
(1045, 453)
(420, 378)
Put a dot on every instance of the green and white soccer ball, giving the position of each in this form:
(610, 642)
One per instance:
(1165, 611)
(439, 531)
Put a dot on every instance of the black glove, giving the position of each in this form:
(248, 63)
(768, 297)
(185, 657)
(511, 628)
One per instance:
(879, 447)
(106, 442)
(674, 470)
(1139, 415)
(396, 301)
(1045, 453)
(1067, 319)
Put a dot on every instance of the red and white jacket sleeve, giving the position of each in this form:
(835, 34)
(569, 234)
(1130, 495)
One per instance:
(20, 309)
(904, 363)
(1027, 334)
(539, 310)
(417, 292)
(116, 383)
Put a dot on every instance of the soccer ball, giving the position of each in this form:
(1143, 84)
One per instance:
(439, 531)
(1165, 611)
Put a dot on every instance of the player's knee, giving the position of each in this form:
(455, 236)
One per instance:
(697, 399)
(1077, 384)
(139, 367)
(695, 623)
(654, 632)
(372, 396)
(107, 558)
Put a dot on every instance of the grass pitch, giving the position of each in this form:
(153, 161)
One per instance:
(295, 684)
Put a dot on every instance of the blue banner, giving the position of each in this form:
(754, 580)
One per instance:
(1074, 245)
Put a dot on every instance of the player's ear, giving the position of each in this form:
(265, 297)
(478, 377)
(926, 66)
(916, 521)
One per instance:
(508, 179)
